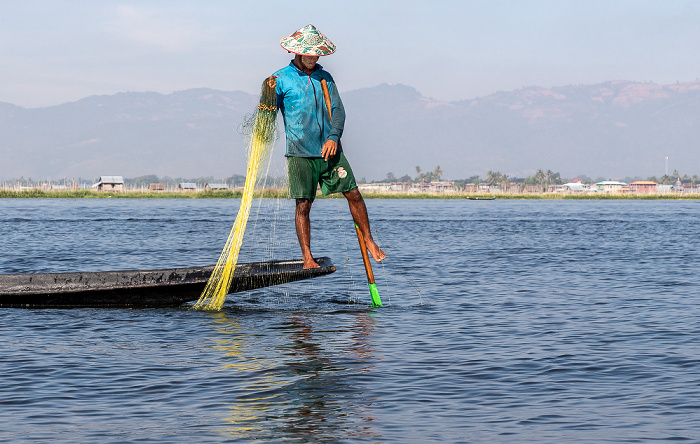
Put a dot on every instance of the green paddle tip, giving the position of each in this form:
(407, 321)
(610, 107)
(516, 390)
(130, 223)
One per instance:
(376, 300)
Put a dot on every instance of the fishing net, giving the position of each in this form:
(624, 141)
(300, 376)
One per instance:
(261, 140)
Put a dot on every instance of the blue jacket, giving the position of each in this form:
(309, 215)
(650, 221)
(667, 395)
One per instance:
(306, 122)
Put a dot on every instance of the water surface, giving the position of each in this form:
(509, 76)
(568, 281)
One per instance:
(504, 321)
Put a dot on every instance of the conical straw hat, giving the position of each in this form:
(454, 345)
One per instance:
(308, 41)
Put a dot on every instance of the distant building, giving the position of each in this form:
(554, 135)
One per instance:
(156, 187)
(187, 186)
(610, 186)
(110, 183)
(678, 186)
(691, 188)
(419, 187)
(442, 187)
(643, 186)
(216, 187)
(374, 187)
(572, 187)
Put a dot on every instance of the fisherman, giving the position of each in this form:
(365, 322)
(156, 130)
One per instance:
(314, 154)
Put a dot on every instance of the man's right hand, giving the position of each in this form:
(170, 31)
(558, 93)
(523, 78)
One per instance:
(272, 82)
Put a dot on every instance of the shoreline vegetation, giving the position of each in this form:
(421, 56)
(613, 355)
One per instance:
(280, 193)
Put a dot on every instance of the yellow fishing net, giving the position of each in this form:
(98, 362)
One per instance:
(262, 138)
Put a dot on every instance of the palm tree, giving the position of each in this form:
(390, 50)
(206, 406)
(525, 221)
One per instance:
(504, 181)
(539, 176)
(419, 177)
(437, 172)
(550, 177)
(493, 177)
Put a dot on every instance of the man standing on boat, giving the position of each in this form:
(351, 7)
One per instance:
(314, 154)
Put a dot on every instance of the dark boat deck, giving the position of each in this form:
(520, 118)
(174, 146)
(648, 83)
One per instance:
(142, 288)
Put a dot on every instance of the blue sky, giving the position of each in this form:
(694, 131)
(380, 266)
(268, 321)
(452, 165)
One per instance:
(55, 51)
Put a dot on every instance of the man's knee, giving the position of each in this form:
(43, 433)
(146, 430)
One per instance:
(304, 206)
(353, 195)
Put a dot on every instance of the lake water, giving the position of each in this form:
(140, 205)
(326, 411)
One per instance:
(504, 321)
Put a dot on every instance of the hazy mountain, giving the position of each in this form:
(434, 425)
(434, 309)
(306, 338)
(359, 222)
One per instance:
(613, 129)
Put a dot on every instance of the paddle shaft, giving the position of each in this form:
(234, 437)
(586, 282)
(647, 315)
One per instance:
(376, 301)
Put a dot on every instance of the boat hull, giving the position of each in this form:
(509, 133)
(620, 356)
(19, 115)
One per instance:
(142, 288)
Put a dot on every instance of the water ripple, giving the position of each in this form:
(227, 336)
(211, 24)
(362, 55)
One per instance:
(506, 322)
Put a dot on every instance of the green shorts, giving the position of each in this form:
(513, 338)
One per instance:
(306, 173)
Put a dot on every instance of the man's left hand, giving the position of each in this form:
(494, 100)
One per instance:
(330, 148)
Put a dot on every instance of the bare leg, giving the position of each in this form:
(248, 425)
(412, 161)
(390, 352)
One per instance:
(358, 209)
(303, 226)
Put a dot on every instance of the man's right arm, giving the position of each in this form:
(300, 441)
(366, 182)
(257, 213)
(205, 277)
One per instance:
(268, 97)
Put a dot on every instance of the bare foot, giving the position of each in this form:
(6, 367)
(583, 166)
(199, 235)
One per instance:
(310, 263)
(375, 251)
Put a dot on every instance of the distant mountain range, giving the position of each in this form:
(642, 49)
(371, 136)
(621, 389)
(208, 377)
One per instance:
(614, 129)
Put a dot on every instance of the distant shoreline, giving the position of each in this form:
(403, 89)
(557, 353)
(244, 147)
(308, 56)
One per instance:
(282, 194)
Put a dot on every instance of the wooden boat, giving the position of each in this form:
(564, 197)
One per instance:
(142, 288)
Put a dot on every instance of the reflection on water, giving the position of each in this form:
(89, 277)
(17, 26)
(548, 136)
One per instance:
(301, 381)
(246, 412)
(548, 322)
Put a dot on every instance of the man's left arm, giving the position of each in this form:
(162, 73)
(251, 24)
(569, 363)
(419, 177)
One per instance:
(330, 147)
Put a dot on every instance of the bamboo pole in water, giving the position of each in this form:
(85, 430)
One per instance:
(374, 292)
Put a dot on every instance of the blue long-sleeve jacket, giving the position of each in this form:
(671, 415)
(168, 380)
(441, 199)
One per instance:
(306, 122)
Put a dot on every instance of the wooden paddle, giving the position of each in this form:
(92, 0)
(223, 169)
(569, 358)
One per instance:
(376, 300)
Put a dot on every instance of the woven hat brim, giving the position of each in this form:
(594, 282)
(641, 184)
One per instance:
(308, 41)
(308, 53)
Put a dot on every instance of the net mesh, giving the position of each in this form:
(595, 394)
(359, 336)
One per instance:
(261, 140)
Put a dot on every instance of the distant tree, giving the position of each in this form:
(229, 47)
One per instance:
(651, 179)
(505, 182)
(390, 177)
(237, 180)
(141, 181)
(549, 177)
(419, 177)
(428, 177)
(556, 179)
(437, 172)
(493, 177)
(405, 179)
(540, 177)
